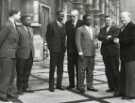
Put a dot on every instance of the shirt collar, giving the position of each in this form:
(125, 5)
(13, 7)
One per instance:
(87, 26)
(12, 20)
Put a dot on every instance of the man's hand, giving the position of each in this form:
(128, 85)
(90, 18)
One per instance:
(116, 40)
(108, 37)
(81, 56)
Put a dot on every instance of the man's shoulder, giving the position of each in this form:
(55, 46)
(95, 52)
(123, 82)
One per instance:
(103, 27)
(51, 23)
(80, 21)
(131, 24)
(68, 21)
(81, 27)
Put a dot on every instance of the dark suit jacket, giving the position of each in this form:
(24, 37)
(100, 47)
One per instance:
(84, 42)
(71, 31)
(127, 43)
(25, 42)
(8, 41)
(56, 37)
(108, 47)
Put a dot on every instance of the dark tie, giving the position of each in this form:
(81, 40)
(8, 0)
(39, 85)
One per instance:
(29, 32)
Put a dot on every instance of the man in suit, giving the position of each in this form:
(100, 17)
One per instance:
(25, 54)
(110, 53)
(56, 37)
(9, 39)
(72, 54)
(127, 56)
(85, 42)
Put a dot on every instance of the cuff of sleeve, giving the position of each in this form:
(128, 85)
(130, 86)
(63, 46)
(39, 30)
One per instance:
(80, 53)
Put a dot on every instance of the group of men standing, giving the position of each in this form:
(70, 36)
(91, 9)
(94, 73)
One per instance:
(118, 44)
(118, 47)
(16, 56)
(80, 44)
(79, 37)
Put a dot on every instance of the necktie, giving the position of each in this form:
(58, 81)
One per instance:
(28, 31)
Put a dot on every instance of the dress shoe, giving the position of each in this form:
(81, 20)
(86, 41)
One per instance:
(70, 87)
(19, 92)
(109, 90)
(16, 100)
(28, 90)
(82, 91)
(92, 89)
(116, 94)
(15, 96)
(51, 89)
(5, 99)
(60, 88)
(125, 97)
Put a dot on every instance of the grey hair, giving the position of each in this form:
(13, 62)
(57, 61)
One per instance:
(76, 12)
(126, 13)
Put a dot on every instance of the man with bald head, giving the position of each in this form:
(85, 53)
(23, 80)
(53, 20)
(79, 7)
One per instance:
(72, 54)
(127, 56)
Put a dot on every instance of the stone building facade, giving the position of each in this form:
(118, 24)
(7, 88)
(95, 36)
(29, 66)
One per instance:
(43, 11)
(128, 5)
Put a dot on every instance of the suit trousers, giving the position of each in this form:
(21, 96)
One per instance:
(23, 68)
(112, 71)
(85, 65)
(72, 68)
(56, 60)
(7, 77)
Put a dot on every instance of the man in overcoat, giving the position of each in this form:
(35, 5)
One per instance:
(110, 53)
(56, 38)
(72, 54)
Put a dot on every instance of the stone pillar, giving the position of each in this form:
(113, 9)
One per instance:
(36, 11)
(106, 7)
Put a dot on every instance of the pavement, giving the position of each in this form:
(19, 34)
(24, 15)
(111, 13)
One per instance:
(39, 84)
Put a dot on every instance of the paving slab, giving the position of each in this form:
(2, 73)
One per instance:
(39, 84)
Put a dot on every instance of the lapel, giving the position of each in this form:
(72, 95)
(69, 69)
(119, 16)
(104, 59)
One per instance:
(109, 31)
(25, 31)
(125, 31)
(30, 32)
(128, 25)
(12, 27)
(58, 28)
(77, 24)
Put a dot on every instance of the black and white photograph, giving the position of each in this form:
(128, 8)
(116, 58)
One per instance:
(67, 51)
